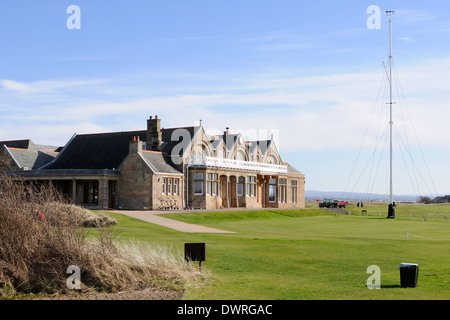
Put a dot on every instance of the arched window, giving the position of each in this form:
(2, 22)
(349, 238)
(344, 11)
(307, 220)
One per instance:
(272, 159)
(220, 154)
(205, 151)
(240, 156)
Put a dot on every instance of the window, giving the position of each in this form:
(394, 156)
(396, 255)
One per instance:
(240, 186)
(251, 186)
(90, 193)
(211, 184)
(175, 187)
(272, 159)
(293, 191)
(169, 186)
(272, 190)
(282, 191)
(198, 183)
(164, 185)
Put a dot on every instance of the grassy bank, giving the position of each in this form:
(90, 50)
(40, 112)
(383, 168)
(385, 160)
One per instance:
(310, 254)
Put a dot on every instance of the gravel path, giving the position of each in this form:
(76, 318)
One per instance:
(152, 217)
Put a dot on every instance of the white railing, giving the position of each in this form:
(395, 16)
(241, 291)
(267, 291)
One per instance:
(237, 164)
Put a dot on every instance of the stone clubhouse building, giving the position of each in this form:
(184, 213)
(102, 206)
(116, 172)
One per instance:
(160, 169)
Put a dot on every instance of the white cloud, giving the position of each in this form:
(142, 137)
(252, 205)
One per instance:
(310, 112)
(408, 39)
(45, 87)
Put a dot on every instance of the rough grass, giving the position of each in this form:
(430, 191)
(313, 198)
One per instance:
(36, 252)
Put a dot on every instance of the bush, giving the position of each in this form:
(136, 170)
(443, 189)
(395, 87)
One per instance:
(424, 199)
(35, 252)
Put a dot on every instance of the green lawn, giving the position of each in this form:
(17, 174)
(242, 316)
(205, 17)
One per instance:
(311, 253)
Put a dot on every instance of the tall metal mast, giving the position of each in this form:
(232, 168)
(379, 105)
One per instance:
(391, 200)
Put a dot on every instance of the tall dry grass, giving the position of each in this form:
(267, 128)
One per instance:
(35, 253)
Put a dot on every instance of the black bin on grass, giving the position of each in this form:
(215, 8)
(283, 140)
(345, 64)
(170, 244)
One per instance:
(409, 273)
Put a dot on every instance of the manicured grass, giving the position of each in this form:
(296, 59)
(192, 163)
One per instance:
(310, 253)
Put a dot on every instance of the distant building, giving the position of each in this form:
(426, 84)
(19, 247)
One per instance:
(155, 168)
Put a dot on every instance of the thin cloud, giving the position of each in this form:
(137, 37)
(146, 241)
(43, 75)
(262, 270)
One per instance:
(408, 39)
(45, 86)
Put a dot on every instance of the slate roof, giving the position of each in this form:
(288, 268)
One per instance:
(22, 144)
(96, 151)
(28, 144)
(187, 134)
(108, 150)
(29, 155)
(32, 158)
(158, 162)
(263, 145)
(291, 169)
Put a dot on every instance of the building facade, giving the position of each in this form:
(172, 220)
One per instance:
(159, 169)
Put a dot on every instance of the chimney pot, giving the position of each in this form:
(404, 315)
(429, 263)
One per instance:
(156, 117)
(151, 117)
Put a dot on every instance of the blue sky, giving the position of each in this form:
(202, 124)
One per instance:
(308, 70)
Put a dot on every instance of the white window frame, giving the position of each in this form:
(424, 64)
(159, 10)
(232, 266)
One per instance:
(169, 186)
(164, 185)
(175, 187)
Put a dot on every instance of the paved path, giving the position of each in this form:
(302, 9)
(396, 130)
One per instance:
(152, 217)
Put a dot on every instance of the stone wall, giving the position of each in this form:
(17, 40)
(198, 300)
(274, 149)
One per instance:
(6, 161)
(135, 184)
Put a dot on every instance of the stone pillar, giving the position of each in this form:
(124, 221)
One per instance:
(74, 191)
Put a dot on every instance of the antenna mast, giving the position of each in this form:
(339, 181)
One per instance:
(391, 212)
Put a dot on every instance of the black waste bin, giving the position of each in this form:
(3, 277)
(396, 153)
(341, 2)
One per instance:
(409, 273)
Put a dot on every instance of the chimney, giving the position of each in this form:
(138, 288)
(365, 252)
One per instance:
(154, 134)
(228, 131)
(135, 145)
